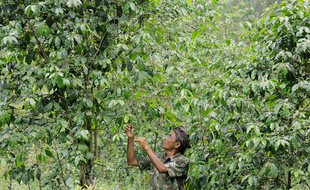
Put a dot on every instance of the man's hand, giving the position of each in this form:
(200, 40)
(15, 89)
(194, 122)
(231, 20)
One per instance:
(129, 130)
(143, 142)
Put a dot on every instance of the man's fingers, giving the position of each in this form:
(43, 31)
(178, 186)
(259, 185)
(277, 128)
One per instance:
(138, 139)
(129, 128)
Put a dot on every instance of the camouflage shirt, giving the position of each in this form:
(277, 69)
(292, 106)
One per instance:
(174, 179)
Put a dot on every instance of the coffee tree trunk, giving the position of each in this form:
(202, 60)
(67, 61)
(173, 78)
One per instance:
(86, 177)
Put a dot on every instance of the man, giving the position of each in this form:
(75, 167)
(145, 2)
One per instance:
(167, 171)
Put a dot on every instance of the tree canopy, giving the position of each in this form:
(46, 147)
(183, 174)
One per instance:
(74, 73)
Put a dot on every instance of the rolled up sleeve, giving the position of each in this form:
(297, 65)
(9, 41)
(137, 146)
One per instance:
(178, 168)
(144, 163)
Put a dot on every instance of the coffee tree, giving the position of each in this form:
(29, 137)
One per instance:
(256, 110)
(57, 87)
(73, 73)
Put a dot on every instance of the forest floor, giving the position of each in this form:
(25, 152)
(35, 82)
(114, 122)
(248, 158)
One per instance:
(101, 184)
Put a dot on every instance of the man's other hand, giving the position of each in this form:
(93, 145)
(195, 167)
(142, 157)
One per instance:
(143, 142)
(130, 130)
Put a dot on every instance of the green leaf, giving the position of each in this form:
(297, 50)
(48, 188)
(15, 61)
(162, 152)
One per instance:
(249, 128)
(40, 29)
(84, 134)
(3, 162)
(74, 3)
(36, 10)
(57, 42)
(83, 28)
(59, 81)
(193, 158)
(284, 70)
(69, 180)
(152, 103)
(257, 130)
(59, 55)
(127, 93)
(228, 42)
(169, 70)
(64, 123)
(85, 70)
(28, 10)
(294, 142)
(38, 175)
(89, 156)
(218, 145)
(107, 119)
(19, 163)
(295, 87)
(76, 160)
(59, 11)
(232, 167)
(194, 34)
(77, 61)
(48, 153)
(57, 106)
(286, 110)
(277, 108)
(132, 6)
(66, 82)
(41, 121)
(32, 102)
(301, 14)
(63, 137)
(89, 103)
(95, 92)
(126, 7)
(78, 38)
(273, 170)
(13, 141)
(126, 118)
(262, 171)
(49, 106)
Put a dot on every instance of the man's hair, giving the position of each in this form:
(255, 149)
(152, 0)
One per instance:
(182, 137)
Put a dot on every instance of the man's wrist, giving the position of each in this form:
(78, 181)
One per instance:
(147, 148)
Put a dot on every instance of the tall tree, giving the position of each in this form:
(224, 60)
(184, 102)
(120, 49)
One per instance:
(256, 109)
(56, 79)
(74, 71)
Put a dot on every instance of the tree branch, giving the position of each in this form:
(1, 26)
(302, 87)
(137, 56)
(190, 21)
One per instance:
(40, 46)
(61, 170)
(203, 140)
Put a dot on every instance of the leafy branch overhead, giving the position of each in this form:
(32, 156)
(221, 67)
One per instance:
(73, 73)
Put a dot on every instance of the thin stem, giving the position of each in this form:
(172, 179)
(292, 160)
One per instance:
(40, 46)
(10, 187)
(61, 170)
(96, 141)
(203, 140)
(289, 182)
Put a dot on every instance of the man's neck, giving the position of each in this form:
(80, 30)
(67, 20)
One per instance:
(171, 153)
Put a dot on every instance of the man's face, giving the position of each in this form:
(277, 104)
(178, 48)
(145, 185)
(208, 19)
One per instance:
(169, 142)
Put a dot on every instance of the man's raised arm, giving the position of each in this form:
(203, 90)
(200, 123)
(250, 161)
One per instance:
(156, 162)
(131, 156)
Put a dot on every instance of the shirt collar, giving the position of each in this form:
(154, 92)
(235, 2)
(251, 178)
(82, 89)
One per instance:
(172, 157)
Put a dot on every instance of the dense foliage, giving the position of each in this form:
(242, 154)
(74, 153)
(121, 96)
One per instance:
(73, 73)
